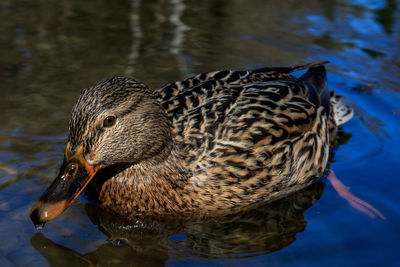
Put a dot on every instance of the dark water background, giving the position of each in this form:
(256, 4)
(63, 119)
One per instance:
(50, 50)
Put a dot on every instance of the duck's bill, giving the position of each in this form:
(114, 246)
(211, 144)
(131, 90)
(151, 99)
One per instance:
(74, 175)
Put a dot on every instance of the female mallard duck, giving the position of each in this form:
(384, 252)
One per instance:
(214, 142)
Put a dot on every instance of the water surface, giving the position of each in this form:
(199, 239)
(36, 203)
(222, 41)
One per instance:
(51, 50)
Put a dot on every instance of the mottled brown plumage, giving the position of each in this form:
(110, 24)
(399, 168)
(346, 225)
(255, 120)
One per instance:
(210, 144)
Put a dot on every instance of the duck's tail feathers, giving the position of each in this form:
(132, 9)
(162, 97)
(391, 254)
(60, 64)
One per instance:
(318, 92)
(340, 111)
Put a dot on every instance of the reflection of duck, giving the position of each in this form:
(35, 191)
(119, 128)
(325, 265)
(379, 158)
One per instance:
(253, 231)
(210, 144)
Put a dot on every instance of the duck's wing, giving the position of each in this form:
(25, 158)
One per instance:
(246, 108)
(258, 140)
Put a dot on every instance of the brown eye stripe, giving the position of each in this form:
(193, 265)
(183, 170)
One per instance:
(109, 121)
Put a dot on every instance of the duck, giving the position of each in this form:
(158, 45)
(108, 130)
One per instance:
(213, 143)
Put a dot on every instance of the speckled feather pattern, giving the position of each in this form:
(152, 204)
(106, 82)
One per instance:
(238, 138)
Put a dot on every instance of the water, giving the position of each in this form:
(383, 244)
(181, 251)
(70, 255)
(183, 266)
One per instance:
(50, 50)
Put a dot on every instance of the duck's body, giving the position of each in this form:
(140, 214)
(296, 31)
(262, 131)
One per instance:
(211, 143)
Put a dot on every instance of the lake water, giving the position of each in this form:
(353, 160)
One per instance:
(51, 50)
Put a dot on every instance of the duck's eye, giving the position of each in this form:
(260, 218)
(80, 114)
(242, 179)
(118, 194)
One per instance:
(109, 121)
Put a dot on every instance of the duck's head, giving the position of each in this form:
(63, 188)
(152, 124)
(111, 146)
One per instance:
(117, 121)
